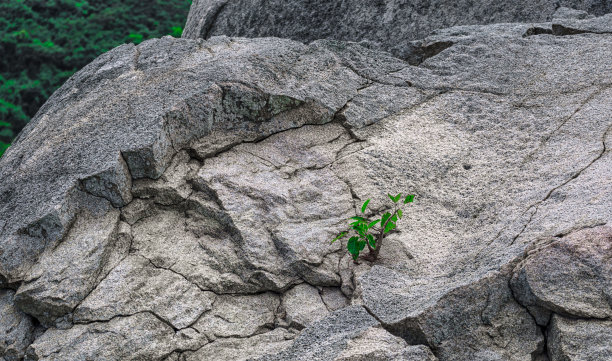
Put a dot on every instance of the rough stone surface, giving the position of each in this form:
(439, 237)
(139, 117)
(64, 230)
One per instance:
(569, 13)
(74, 267)
(239, 316)
(303, 305)
(579, 340)
(570, 275)
(241, 349)
(376, 344)
(328, 338)
(16, 328)
(386, 24)
(137, 285)
(176, 199)
(139, 337)
(599, 25)
(333, 298)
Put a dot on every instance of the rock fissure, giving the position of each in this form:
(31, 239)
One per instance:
(574, 176)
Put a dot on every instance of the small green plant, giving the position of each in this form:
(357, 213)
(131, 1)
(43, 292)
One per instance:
(370, 233)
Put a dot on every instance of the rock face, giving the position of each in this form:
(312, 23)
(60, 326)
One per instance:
(384, 24)
(571, 275)
(175, 201)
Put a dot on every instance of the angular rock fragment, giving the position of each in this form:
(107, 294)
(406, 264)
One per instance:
(242, 349)
(113, 183)
(239, 316)
(136, 285)
(212, 262)
(327, 338)
(171, 188)
(64, 276)
(303, 305)
(139, 337)
(376, 344)
(16, 328)
(272, 190)
(333, 298)
(447, 315)
(571, 275)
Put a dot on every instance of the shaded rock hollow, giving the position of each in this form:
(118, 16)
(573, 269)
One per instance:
(174, 201)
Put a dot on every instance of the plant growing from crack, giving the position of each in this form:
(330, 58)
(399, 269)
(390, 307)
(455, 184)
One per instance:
(371, 233)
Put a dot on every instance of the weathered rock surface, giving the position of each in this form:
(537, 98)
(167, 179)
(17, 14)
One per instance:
(16, 328)
(577, 340)
(571, 275)
(376, 344)
(389, 25)
(175, 200)
(239, 349)
(148, 289)
(139, 337)
(303, 305)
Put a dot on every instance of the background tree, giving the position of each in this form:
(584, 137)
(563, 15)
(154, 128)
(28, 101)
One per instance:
(44, 42)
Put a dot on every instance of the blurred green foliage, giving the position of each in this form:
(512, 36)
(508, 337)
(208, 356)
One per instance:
(44, 42)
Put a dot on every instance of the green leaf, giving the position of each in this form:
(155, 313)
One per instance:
(390, 226)
(363, 229)
(384, 218)
(409, 198)
(342, 234)
(357, 218)
(396, 198)
(365, 205)
(399, 213)
(361, 245)
(373, 223)
(394, 218)
(371, 240)
(352, 246)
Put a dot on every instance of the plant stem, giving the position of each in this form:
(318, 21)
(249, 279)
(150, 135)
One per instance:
(375, 251)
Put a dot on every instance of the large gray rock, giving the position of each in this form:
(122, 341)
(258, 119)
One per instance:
(247, 156)
(386, 24)
(578, 340)
(447, 313)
